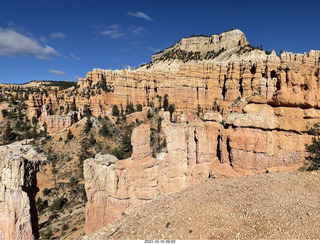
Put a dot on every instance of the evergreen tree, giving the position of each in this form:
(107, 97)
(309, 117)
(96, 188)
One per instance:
(88, 125)
(314, 148)
(166, 102)
(115, 110)
(70, 135)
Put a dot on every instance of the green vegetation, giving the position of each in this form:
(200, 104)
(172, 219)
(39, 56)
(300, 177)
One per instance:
(88, 125)
(69, 135)
(139, 107)
(171, 109)
(179, 54)
(213, 54)
(314, 148)
(104, 131)
(61, 84)
(58, 204)
(41, 205)
(115, 110)
(46, 191)
(48, 234)
(166, 102)
(130, 108)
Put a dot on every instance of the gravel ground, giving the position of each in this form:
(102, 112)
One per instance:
(269, 206)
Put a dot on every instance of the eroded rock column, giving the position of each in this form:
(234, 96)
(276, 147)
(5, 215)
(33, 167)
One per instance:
(18, 187)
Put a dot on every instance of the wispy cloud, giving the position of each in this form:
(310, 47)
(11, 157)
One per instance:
(113, 31)
(154, 49)
(140, 15)
(136, 30)
(56, 72)
(117, 31)
(58, 35)
(74, 57)
(43, 39)
(13, 43)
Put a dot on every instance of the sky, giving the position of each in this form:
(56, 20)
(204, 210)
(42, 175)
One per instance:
(64, 39)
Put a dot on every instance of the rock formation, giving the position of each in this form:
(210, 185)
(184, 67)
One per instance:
(195, 151)
(18, 187)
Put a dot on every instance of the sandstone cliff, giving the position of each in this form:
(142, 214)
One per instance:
(195, 152)
(18, 187)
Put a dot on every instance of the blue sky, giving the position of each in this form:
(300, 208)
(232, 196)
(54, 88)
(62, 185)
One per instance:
(64, 39)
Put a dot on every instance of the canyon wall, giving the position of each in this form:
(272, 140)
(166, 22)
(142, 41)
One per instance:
(288, 80)
(18, 187)
(255, 110)
(291, 80)
(247, 144)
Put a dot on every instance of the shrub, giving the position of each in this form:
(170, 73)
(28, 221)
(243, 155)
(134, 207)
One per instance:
(129, 108)
(70, 135)
(171, 110)
(58, 204)
(48, 234)
(41, 204)
(46, 191)
(4, 113)
(88, 125)
(104, 131)
(314, 148)
(149, 114)
(73, 181)
(139, 107)
(92, 140)
(65, 226)
(115, 110)
(166, 102)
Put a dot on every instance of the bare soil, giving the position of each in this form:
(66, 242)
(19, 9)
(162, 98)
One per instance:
(269, 206)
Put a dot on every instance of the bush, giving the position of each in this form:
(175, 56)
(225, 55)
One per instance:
(58, 204)
(314, 148)
(46, 191)
(104, 131)
(65, 226)
(130, 109)
(149, 114)
(4, 113)
(115, 110)
(48, 234)
(171, 110)
(139, 107)
(70, 135)
(166, 102)
(40, 204)
(88, 125)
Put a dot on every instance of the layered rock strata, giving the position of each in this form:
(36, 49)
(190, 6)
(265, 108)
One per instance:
(195, 151)
(18, 187)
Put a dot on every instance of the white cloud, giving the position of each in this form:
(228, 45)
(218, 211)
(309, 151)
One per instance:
(13, 43)
(74, 56)
(140, 15)
(136, 30)
(113, 31)
(56, 72)
(116, 31)
(43, 39)
(59, 35)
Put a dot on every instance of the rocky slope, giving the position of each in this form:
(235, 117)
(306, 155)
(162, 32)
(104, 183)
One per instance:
(194, 152)
(274, 206)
